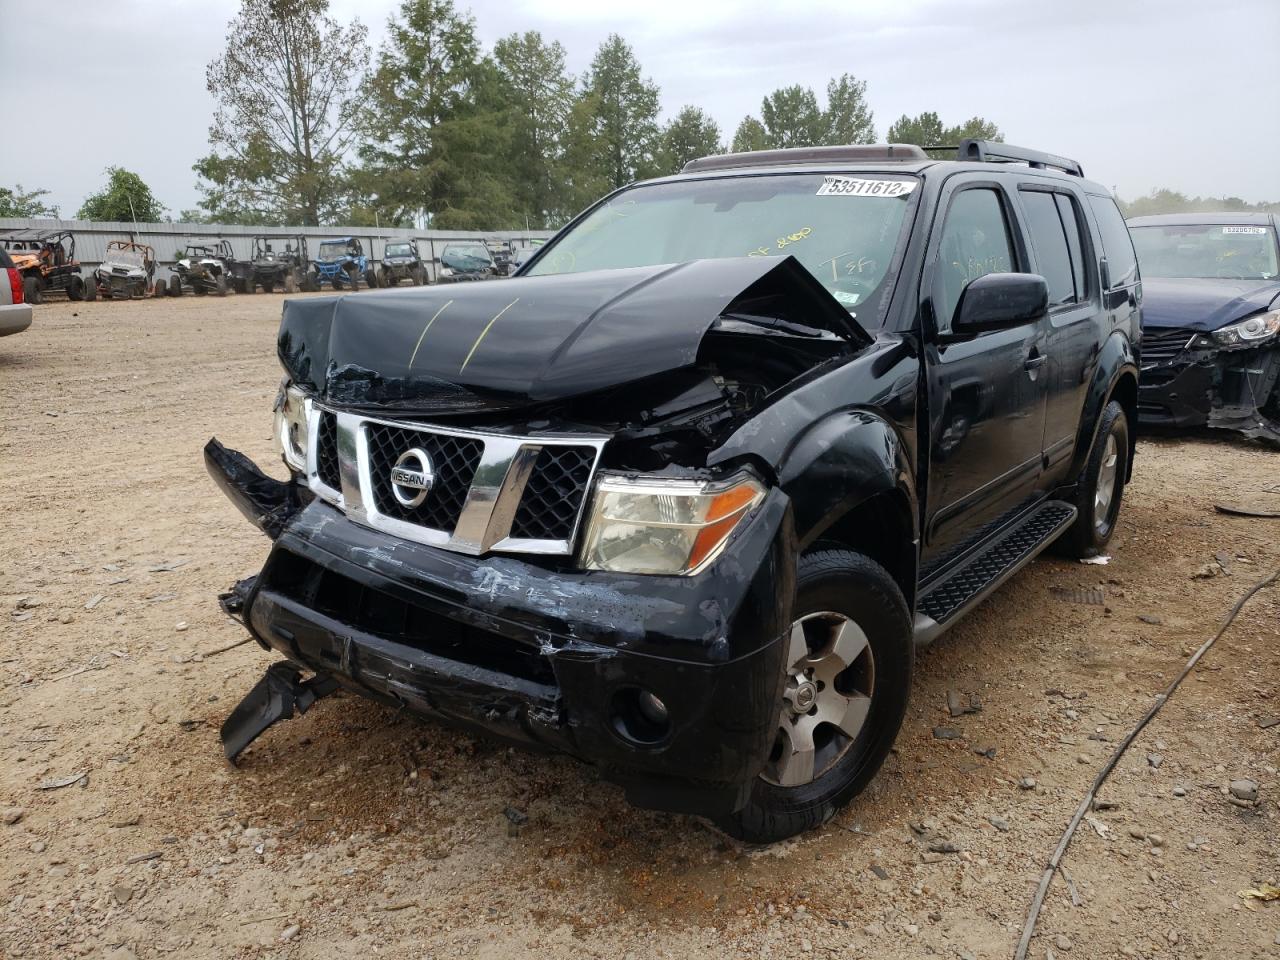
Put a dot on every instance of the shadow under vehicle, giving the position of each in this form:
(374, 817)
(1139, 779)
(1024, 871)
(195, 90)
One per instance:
(401, 261)
(1211, 322)
(682, 497)
(128, 270)
(464, 262)
(342, 264)
(204, 268)
(46, 259)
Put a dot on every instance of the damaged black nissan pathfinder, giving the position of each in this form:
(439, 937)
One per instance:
(681, 498)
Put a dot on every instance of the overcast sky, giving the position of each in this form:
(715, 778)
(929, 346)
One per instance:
(1176, 93)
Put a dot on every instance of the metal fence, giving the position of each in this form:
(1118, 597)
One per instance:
(167, 239)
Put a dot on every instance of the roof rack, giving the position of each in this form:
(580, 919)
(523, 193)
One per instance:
(989, 151)
(895, 152)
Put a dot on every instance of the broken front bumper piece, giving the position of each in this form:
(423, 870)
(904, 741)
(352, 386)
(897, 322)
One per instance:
(275, 698)
(1204, 385)
(544, 657)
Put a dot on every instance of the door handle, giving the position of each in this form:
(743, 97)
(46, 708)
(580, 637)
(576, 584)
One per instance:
(1034, 363)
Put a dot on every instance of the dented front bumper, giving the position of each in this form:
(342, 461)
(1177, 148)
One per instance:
(544, 657)
(1207, 386)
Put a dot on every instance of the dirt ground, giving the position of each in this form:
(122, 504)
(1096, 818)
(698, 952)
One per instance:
(354, 832)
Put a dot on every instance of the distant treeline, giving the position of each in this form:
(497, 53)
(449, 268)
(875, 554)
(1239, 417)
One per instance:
(1171, 201)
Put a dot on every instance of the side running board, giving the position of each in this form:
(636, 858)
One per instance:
(946, 601)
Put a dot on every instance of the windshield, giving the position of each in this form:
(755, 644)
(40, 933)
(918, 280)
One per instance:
(466, 257)
(125, 258)
(399, 250)
(1205, 250)
(844, 229)
(333, 250)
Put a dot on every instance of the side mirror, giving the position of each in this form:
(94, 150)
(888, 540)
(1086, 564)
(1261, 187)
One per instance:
(1000, 300)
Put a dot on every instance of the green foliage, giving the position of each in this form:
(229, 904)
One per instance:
(23, 203)
(614, 127)
(792, 118)
(690, 135)
(124, 198)
(848, 117)
(927, 130)
(1163, 200)
(436, 123)
(750, 135)
(541, 94)
(286, 88)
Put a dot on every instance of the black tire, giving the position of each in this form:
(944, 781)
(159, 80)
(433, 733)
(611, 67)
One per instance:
(268, 286)
(371, 277)
(220, 285)
(75, 288)
(1096, 522)
(88, 290)
(387, 278)
(352, 274)
(175, 285)
(419, 276)
(856, 587)
(31, 291)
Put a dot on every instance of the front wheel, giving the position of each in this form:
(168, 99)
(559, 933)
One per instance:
(846, 680)
(175, 285)
(220, 285)
(75, 288)
(1101, 487)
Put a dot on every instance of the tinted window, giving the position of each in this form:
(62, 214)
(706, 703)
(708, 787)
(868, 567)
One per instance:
(975, 241)
(1052, 254)
(1069, 210)
(1122, 263)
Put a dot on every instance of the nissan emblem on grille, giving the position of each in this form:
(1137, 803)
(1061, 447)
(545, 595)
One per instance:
(412, 476)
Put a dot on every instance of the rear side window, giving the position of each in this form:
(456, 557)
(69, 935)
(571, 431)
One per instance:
(1122, 262)
(1049, 236)
(975, 242)
(1069, 210)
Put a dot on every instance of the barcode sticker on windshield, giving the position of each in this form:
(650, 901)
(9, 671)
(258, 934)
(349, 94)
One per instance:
(1252, 231)
(858, 187)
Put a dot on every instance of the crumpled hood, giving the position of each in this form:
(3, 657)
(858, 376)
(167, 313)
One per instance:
(1204, 305)
(457, 349)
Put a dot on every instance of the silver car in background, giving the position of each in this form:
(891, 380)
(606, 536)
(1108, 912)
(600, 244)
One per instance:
(15, 314)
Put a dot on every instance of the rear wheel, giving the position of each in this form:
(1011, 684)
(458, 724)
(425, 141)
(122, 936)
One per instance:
(352, 274)
(847, 676)
(220, 285)
(32, 290)
(1101, 487)
(175, 286)
(75, 288)
(371, 277)
(87, 290)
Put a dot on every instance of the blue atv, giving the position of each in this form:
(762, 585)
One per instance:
(342, 263)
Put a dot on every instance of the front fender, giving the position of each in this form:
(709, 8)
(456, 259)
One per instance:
(1116, 360)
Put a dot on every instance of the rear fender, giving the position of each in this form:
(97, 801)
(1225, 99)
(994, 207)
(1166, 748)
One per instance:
(1116, 374)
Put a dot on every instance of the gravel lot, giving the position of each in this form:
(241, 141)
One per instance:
(353, 832)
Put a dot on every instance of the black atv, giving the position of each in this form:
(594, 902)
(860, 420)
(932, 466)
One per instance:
(204, 268)
(284, 269)
(400, 261)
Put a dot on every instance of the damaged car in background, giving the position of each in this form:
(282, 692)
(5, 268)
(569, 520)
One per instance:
(1211, 319)
(681, 498)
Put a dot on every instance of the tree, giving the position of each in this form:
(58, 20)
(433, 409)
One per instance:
(690, 135)
(792, 118)
(750, 135)
(124, 198)
(848, 117)
(616, 126)
(438, 128)
(25, 204)
(927, 130)
(541, 93)
(286, 87)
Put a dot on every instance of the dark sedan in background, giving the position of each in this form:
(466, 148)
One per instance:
(1211, 319)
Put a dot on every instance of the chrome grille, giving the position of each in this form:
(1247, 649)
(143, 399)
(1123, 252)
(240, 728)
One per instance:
(455, 460)
(489, 491)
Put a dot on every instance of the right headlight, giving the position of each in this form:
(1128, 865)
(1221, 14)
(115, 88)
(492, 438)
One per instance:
(657, 526)
(292, 427)
(1257, 328)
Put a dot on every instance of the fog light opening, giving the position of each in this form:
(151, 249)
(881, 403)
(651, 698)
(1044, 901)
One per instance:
(640, 717)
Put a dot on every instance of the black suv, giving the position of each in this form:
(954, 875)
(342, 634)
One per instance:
(682, 497)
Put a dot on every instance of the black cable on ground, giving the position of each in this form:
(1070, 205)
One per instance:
(1087, 803)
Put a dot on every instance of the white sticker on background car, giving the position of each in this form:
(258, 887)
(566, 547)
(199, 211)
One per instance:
(1252, 231)
(860, 187)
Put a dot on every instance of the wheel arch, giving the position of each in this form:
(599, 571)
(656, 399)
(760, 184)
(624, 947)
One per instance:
(1115, 377)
